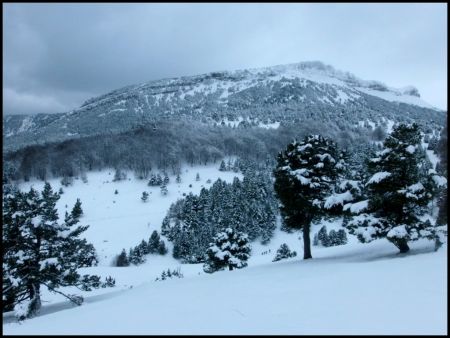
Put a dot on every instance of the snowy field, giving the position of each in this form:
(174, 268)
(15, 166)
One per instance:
(351, 289)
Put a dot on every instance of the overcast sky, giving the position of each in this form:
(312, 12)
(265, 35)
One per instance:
(57, 56)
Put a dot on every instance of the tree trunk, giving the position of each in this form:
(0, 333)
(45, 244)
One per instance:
(402, 244)
(230, 267)
(35, 299)
(306, 242)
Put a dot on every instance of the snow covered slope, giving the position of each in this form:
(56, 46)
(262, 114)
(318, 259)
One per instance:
(351, 289)
(358, 289)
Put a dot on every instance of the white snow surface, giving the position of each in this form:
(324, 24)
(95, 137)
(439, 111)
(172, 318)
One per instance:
(351, 289)
(378, 177)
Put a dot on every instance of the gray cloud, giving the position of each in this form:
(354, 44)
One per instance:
(58, 55)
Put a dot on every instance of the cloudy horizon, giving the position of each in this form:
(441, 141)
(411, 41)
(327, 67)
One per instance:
(56, 56)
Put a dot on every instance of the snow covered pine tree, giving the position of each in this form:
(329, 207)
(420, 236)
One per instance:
(37, 250)
(306, 174)
(399, 188)
(230, 248)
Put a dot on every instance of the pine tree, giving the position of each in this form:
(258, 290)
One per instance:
(399, 189)
(144, 196)
(222, 166)
(122, 259)
(284, 252)
(165, 226)
(322, 236)
(153, 181)
(77, 212)
(143, 248)
(333, 238)
(178, 179)
(159, 180)
(116, 192)
(166, 179)
(442, 169)
(342, 237)
(40, 251)
(306, 174)
(197, 177)
(153, 242)
(229, 249)
(162, 250)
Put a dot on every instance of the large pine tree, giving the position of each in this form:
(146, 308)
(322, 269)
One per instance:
(40, 251)
(306, 174)
(400, 185)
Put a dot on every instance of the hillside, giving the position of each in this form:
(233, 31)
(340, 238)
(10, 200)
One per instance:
(344, 290)
(265, 97)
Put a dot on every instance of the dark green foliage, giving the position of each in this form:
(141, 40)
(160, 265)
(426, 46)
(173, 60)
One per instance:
(248, 206)
(40, 251)
(77, 211)
(170, 274)
(166, 179)
(442, 169)
(400, 185)
(222, 166)
(162, 250)
(153, 242)
(229, 249)
(306, 174)
(322, 236)
(284, 252)
(122, 259)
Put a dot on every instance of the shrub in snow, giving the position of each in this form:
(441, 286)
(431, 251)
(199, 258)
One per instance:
(144, 196)
(306, 175)
(116, 192)
(170, 274)
(322, 236)
(230, 249)
(61, 191)
(109, 282)
(40, 251)
(284, 252)
(66, 181)
(399, 189)
(197, 177)
(122, 259)
(164, 189)
(166, 179)
(332, 238)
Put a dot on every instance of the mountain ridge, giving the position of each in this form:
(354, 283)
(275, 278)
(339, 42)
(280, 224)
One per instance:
(262, 96)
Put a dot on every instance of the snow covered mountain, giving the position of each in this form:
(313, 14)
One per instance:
(263, 97)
